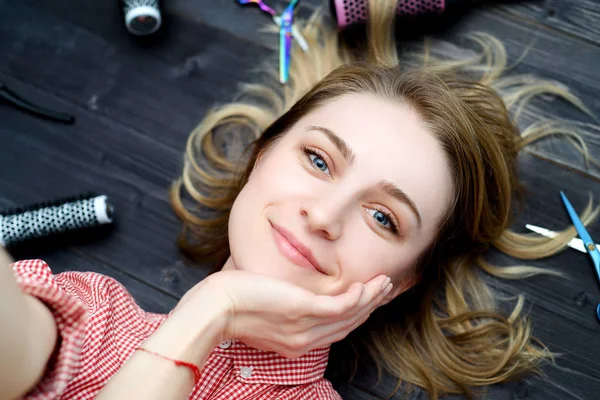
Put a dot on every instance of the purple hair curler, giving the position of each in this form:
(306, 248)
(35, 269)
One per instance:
(350, 12)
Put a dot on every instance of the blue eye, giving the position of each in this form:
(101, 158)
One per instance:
(380, 217)
(319, 163)
(316, 159)
(384, 219)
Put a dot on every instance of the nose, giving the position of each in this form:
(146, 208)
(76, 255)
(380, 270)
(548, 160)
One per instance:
(324, 216)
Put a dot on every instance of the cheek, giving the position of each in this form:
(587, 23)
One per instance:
(367, 256)
(363, 255)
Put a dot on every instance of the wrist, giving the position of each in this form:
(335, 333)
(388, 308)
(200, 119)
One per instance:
(190, 333)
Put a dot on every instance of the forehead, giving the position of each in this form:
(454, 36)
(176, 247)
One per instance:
(390, 142)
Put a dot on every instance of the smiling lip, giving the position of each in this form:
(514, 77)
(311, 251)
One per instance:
(293, 250)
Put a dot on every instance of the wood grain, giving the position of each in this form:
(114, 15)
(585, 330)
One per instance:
(575, 18)
(561, 58)
(137, 100)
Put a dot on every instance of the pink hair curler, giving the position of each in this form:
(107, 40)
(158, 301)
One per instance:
(350, 12)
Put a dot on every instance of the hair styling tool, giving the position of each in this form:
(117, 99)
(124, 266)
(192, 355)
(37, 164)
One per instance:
(142, 17)
(350, 12)
(277, 19)
(589, 244)
(17, 101)
(575, 243)
(584, 243)
(285, 41)
(285, 21)
(61, 216)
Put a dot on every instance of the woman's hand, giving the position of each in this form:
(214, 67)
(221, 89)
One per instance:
(274, 315)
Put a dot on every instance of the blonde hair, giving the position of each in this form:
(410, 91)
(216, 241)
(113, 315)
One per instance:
(446, 334)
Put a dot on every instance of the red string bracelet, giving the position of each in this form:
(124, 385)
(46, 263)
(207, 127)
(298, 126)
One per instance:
(179, 363)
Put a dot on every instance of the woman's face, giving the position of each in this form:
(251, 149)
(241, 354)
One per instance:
(355, 189)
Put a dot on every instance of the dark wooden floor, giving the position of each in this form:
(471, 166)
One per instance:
(136, 102)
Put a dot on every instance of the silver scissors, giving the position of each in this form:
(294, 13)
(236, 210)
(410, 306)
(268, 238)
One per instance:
(287, 30)
(583, 244)
(278, 20)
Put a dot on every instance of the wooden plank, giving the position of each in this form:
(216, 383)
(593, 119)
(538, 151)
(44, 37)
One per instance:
(126, 135)
(578, 18)
(71, 258)
(571, 65)
(48, 160)
(160, 89)
(563, 308)
(246, 22)
(366, 385)
(564, 59)
(130, 147)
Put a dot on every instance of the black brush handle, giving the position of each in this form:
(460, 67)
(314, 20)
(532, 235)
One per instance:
(25, 105)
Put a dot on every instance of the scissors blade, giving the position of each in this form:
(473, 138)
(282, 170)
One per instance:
(298, 37)
(589, 244)
(575, 243)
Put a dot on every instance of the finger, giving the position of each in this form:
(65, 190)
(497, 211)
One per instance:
(343, 327)
(339, 331)
(373, 290)
(332, 306)
(293, 345)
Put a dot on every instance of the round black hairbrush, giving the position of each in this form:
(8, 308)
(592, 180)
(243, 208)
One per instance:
(55, 218)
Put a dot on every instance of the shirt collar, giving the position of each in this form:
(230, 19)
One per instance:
(252, 365)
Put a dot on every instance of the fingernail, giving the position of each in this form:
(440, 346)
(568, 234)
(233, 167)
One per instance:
(385, 283)
(388, 289)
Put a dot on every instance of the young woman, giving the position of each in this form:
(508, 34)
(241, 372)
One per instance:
(369, 184)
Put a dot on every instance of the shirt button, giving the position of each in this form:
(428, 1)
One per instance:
(246, 372)
(225, 344)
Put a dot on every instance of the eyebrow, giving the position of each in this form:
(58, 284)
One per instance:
(337, 141)
(386, 186)
(393, 191)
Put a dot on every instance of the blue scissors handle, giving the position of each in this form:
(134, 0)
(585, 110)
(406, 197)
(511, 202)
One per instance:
(588, 243)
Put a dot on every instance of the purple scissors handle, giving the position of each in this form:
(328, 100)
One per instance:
(260, 4)
(286, 32)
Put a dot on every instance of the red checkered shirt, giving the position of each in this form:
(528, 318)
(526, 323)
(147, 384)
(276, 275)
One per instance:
(100, 326)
